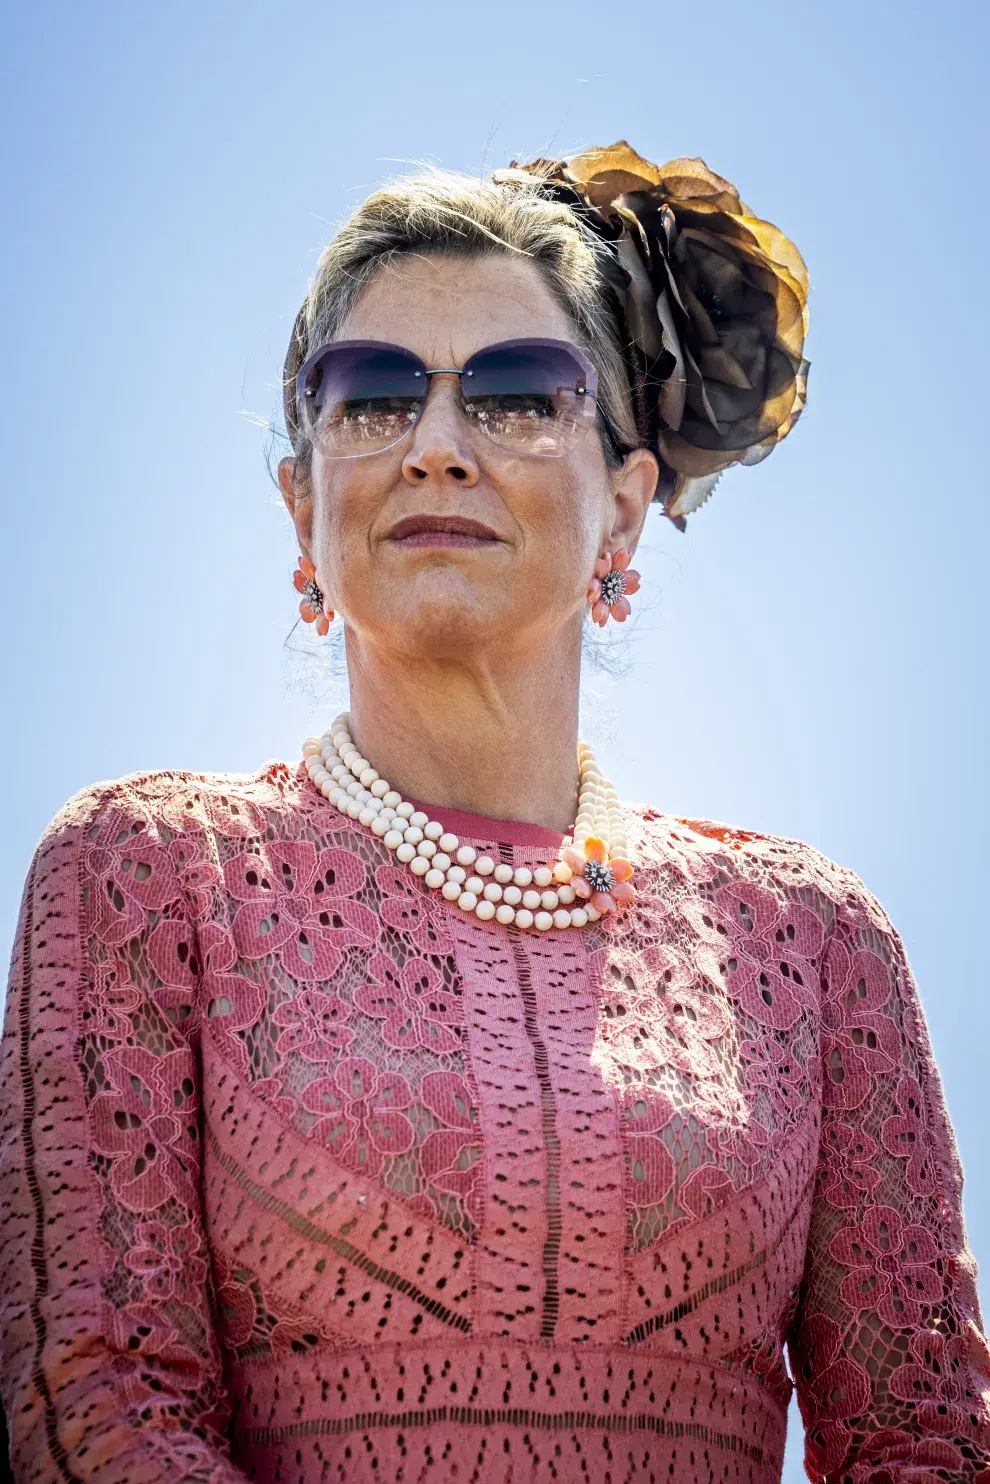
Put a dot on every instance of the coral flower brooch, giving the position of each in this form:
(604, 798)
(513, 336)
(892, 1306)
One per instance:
(595, 876)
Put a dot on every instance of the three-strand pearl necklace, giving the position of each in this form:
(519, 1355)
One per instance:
(590, 877)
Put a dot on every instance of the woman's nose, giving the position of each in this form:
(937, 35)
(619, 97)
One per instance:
(440, 447)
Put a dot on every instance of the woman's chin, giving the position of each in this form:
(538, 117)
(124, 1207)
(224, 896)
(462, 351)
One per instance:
(448, 623)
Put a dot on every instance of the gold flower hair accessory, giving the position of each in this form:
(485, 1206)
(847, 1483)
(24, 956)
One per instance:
(715, 303)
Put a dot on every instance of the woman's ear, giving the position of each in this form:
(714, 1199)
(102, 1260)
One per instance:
(633, 487)
(296, 494)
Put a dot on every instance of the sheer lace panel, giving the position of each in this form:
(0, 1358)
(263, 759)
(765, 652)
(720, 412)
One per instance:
(306, 1175)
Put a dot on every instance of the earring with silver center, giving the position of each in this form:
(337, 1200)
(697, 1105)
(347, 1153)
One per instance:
(612, 586)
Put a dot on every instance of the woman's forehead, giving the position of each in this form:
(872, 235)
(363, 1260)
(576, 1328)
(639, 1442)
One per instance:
(446, 308)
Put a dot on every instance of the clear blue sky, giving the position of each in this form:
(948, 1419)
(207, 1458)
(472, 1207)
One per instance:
(810, 658)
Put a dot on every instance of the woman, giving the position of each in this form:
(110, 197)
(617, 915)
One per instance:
(419, 1112)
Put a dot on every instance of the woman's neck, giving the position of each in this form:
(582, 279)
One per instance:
(495, 736)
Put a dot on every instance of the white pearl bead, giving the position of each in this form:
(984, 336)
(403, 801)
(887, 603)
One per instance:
(484, 865)
(542, 876)
(562, 872)
(578, 917)
(503, 873)
(404, 810)
(419, 819)
(354, 808)
(367, 817)
(358, 764)
(449, 843)
(413, 835)
(524, 918)
(466, 856)
(492, 892)
(543, 920)
(441, 861)
(512, 895)
(426, 848)
(561, 919)
(434, 879)
(341, 738)
(566, 894)
(319, 776)
(433, 830)
(522, 876)
(475, 884)
(456, 873)
(368, 776)
(531, 899)
(392, 840)
(353, 789)
(592, 913)
(380, 788)
(505, 914)
(419, 865)
(326, 789)
(550, 900)
(450, 890)
(485, 910)
(392, 800)
(467, 901)
(310, 747)
(406, 853)
(387, 813)
(380, 827)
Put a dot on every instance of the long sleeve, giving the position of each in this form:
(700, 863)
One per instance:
(110, 1369)
(888, 1353)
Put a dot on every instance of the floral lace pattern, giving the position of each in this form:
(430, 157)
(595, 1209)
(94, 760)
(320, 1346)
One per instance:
(304, 1174)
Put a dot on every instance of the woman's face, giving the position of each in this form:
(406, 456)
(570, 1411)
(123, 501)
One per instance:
(541, 522)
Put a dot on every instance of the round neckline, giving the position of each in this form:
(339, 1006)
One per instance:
(471, 826)
(481, 827)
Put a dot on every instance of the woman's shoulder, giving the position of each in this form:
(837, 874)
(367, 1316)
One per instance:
(724, 856)
(172, 801)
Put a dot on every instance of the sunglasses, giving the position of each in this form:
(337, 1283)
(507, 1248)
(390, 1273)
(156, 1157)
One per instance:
(531, 397)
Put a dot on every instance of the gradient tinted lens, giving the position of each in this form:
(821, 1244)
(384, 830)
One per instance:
(533, 397)
(356, 398)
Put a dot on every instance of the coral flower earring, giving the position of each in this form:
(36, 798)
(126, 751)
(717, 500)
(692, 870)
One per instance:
(311, 606)
(611, 587)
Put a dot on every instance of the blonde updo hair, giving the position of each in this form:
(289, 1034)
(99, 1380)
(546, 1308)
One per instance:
(446, 214)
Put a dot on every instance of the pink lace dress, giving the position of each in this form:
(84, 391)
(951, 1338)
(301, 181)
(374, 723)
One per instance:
(308, 1177)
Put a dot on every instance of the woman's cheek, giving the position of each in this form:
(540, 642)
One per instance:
(345, 515)
(572, 519)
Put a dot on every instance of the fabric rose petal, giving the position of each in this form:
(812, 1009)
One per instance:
(602, 881)
(715, 303)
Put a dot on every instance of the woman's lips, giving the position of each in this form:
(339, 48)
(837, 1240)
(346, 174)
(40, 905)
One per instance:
(441, 530)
